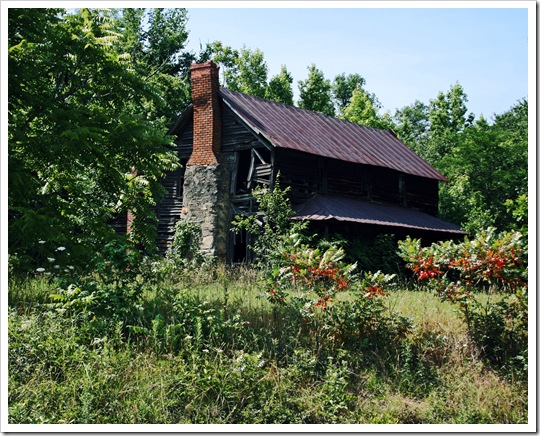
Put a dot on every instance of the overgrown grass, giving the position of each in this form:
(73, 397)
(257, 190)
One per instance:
(204, 347)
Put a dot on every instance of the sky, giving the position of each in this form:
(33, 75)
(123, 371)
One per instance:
(405, 54)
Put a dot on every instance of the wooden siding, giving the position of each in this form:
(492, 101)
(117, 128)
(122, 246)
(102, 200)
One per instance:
(300, 171)
(308, 174)
(169, 209)
(235, 135)
(248, 161)
(422, 194)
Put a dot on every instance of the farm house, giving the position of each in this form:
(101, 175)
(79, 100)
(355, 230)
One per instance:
(344, 177)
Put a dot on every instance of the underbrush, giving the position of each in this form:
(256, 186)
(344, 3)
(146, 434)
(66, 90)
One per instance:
(209, 346)
(302, 338)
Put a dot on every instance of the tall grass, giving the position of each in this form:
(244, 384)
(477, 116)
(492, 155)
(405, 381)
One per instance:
(204, 347)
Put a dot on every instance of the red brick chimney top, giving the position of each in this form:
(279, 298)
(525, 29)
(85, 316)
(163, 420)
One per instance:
(206, 114)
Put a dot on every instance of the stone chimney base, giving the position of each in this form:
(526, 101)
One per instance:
(206, 203)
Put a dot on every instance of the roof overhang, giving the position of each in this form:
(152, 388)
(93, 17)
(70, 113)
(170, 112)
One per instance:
(181, 120)
(323, 208)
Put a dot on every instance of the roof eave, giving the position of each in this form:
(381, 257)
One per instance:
(181, 120)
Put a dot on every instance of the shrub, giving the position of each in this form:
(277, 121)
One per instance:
(270, 224)
(185, 244)
(112, 291)
(376, 253)
(492, 262)
(327, 304)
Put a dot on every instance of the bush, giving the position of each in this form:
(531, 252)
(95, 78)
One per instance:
(327, 306)
(492, 262)
(374, 254)
(270, 224)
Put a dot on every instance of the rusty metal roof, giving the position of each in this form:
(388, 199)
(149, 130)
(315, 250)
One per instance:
(324, 207)
(312, 132)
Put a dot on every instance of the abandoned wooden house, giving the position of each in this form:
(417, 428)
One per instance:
(343, 176)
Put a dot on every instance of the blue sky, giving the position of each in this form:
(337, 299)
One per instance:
(404, 54)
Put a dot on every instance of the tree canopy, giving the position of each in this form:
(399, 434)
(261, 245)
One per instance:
(84, 141)
(485, 163)
(315, 92)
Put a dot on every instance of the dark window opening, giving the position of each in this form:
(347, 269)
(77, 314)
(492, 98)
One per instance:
(244, 163)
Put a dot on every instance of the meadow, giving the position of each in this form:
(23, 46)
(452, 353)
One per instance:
(207, 345)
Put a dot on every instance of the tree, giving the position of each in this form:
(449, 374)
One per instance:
(493, 161)
(448, 118)
(279, 88)
(343, 88)
(78, 127)
(363, 109)
(315, 92)
(486, 163)
(155, 40)
(487, 172)
(250, 74)
(224, 56)
(165, 39)
(411, 124)
(246, 71)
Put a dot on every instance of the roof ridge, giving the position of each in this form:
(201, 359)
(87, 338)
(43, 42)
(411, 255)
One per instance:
(301, 109)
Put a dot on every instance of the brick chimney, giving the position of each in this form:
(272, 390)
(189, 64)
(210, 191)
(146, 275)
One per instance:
(205, 200)
(206, 114)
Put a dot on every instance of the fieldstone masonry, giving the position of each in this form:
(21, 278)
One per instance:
(206, 203)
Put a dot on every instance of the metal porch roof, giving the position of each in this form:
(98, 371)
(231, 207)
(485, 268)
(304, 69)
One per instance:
(321, 208)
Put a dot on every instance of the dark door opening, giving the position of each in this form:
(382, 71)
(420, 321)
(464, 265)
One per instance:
(240, 247)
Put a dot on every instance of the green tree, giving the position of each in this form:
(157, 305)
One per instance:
(411, 124)
(448, 118)
(490, 161)
(155, 41)
(78, 127)
(315, 92)
(165, 39)
(223, 55)
(486, 163)
(280, 87)
(249, 74)
(343, 88)
(363, 108)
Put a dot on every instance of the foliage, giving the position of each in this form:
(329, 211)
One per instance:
(485, 162)
(327, 304)
(250, 73)
(270, 224)
(496, 261)
(155, 40)
(374, 253)
(246, 71)
(455, 271)
(77, 130)
(315, 92)
(279, 87)
(343, 88)
(113, 291)
(411, 124)
(205, 349)
(363, 108)
(519, 209)
(308, 269)
(186, 242)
